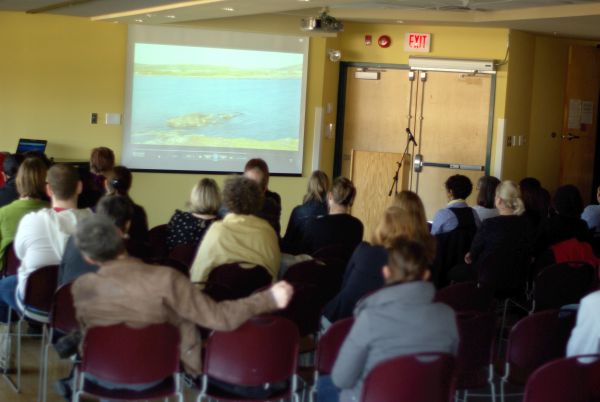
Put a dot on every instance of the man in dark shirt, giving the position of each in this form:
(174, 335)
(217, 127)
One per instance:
(8, 193)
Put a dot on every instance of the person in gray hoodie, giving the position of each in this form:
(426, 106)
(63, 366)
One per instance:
(400, 319)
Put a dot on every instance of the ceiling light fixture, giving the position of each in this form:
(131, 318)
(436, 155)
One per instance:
(156, 9)
(139, 20)
(170, 16)
(230, 9)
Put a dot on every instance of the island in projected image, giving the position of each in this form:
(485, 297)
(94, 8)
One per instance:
(208, 97)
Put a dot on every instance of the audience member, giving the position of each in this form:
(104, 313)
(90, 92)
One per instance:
(189, 227)
(30, 184)
(258, 170)
(10, 166)
(591, 214)
(536, 201)
(585, 338)
(457, 214)
(102, 160)
(41, 236)
(119, 211)
(486, 195)
(3, 156)
(398, 320)
(363, 273)
(313, 205)
(338, 227)
(241, 237)
(567, 222)
(125, 290)
(119, 182)
(505, 236)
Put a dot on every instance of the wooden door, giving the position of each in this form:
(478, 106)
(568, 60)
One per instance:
(375, 113)
(578, 143)
(452, 130)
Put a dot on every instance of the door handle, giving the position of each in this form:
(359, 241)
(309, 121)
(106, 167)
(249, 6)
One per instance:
(569, 137)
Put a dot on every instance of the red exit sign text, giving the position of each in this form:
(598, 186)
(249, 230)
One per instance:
(417, 42)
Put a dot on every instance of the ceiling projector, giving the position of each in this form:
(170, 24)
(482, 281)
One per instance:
(321, 23)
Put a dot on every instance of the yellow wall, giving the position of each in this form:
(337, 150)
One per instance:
(518, 103)
(56, 70)
(548, 91)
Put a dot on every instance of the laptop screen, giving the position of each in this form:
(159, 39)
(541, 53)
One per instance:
(26, 145)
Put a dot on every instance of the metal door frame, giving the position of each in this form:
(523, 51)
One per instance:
(341, 111)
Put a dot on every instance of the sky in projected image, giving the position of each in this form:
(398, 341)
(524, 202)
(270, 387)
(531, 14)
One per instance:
(198, 96)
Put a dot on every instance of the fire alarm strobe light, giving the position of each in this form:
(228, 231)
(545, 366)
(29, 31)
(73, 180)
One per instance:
(384, 41)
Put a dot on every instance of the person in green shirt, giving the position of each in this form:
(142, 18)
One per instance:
(31, 186)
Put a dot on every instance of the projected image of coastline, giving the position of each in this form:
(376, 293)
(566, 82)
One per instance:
(207, 97)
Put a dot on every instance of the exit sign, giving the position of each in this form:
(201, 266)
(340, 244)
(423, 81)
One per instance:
(417, 42)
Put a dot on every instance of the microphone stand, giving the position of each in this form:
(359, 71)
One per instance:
(394, 188)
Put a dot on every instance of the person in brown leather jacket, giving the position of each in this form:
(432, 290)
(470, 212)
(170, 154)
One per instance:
(126, 290)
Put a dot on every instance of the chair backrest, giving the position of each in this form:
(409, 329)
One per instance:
(466, 296)
(157, 236)
(566, 283)
(40, 287)
(425, 377)
(334, 251)
(62, 313)
(450, 250)
(242, 281)
(537, 339)
(312, 272)
(11, 261)
(184, 253)
(475, 350)
(330, 344)
(263, 350)
(506, 271)
(121, 354)
(574, 378)
(305, 308)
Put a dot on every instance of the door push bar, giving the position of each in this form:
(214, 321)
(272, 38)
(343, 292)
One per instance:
(418, 165)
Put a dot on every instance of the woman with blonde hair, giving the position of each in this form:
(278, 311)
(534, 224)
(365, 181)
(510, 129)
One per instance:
(189, 227)
(31, 186)
(314, 204)
(506, 235)
(412, 204)
(363, 272)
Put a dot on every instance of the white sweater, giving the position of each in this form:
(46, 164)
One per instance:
(40, 241)
(585, 338)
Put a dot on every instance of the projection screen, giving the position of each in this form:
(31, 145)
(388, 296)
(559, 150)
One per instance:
(207, 101)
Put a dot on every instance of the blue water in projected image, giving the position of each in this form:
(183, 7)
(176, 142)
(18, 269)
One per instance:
(264, 109)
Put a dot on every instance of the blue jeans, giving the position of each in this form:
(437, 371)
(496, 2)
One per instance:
(326, 390)
(8, 287)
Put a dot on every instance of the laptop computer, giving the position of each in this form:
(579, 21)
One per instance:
(27, 145)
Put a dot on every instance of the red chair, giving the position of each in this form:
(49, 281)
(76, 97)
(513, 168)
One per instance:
(474, 363)
(241, 282)
(184, 253)
(534, 341)
(466, 296)
(124, 355)
(157, 237)
(62, 321)
(311, 272)
(39, 291)
(560, 284)
(575, 379)
(11, 261)
(328, 348)
(423, 377)
(263, 350)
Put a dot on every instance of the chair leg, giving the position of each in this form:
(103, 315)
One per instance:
(19, 329)
(10, 335)
(47, 335)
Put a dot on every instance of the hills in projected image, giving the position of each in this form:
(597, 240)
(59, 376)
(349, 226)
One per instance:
(242, 99)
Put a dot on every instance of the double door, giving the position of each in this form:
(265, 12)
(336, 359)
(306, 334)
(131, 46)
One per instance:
(448, 112)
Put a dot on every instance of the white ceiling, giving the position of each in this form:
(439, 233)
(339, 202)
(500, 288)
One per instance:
(569, 18)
